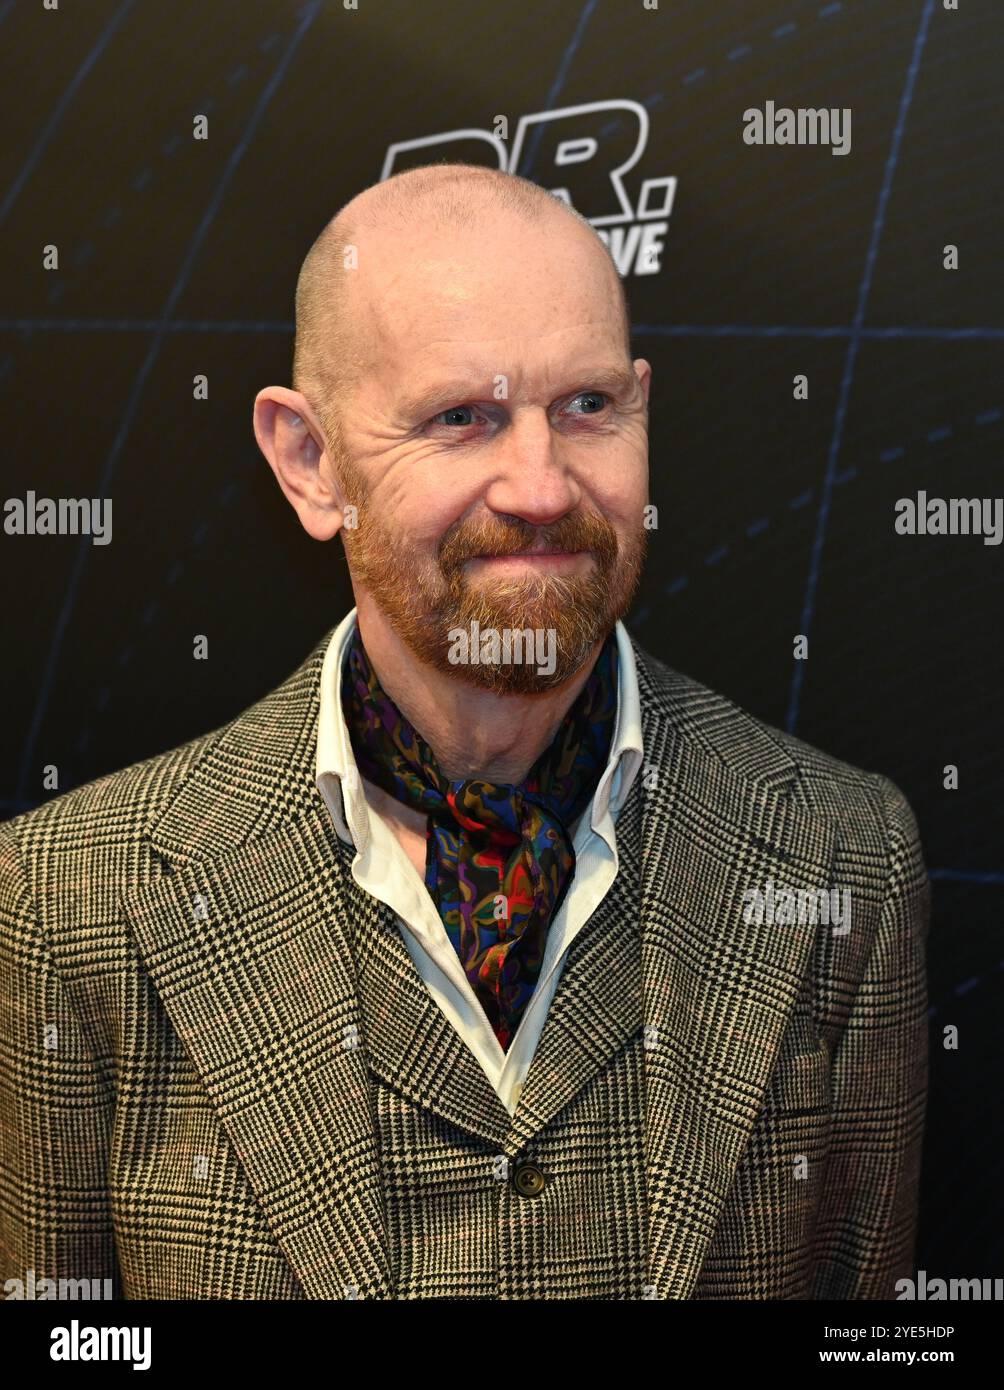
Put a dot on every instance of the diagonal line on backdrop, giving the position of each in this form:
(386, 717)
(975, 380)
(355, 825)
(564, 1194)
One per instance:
(308, 13)
(31, 163)
(795, 693)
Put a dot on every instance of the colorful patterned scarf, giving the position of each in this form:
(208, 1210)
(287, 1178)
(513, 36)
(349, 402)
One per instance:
(499, 858)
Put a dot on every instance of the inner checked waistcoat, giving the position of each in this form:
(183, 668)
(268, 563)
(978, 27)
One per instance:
(547, 1203)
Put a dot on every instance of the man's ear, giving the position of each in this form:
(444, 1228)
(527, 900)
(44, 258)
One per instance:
(643, 371)
(291, 438)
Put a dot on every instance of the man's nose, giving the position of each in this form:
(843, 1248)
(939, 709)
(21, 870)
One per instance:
(533, 478)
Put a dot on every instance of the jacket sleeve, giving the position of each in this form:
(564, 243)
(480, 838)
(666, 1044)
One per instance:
(866, 1228)
(55, 1114)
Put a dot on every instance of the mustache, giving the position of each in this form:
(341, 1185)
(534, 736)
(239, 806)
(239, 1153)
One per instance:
(495, 536)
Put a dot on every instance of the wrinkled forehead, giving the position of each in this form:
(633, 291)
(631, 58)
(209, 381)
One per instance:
(491, 301)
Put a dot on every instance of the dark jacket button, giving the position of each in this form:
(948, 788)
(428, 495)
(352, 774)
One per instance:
(528, 1180)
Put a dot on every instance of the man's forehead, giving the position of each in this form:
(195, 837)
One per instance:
(484, 285)
(433, 320)
(461, 308)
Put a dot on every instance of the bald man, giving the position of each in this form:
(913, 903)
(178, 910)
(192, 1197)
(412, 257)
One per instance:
(487, 957)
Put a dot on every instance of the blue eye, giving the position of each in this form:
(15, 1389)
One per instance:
(455, 410)
(598, 399)
(463, 416)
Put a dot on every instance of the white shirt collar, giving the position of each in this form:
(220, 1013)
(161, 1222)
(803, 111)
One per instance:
(338, 776)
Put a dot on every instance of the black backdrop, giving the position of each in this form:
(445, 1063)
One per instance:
(178, 257)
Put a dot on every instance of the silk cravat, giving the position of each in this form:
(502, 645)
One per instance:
(499, 857)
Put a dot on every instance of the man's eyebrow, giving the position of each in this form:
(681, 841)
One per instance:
(616, 381)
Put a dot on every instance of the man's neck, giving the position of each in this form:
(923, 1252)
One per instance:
(472, 732)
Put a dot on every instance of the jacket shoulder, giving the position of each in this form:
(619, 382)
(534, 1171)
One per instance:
(121, 801)
(65, 865)
(754, 748)
(82, 850)
(125, 801)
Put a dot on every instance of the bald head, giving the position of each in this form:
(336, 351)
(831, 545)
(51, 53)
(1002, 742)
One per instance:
(357, 276)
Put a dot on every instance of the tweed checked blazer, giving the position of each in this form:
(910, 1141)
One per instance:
(184, 1111)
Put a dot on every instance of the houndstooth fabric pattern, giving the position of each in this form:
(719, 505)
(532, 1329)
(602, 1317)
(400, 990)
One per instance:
(195, 1101)
(457, 1223)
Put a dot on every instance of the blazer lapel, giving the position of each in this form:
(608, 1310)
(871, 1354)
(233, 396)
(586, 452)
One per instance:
(597, 1005)
(410, 1043)
(245, 939)
(718, 993)
(251, 959)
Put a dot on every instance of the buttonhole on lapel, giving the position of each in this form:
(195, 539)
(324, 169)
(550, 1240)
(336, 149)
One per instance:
(760, 843)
